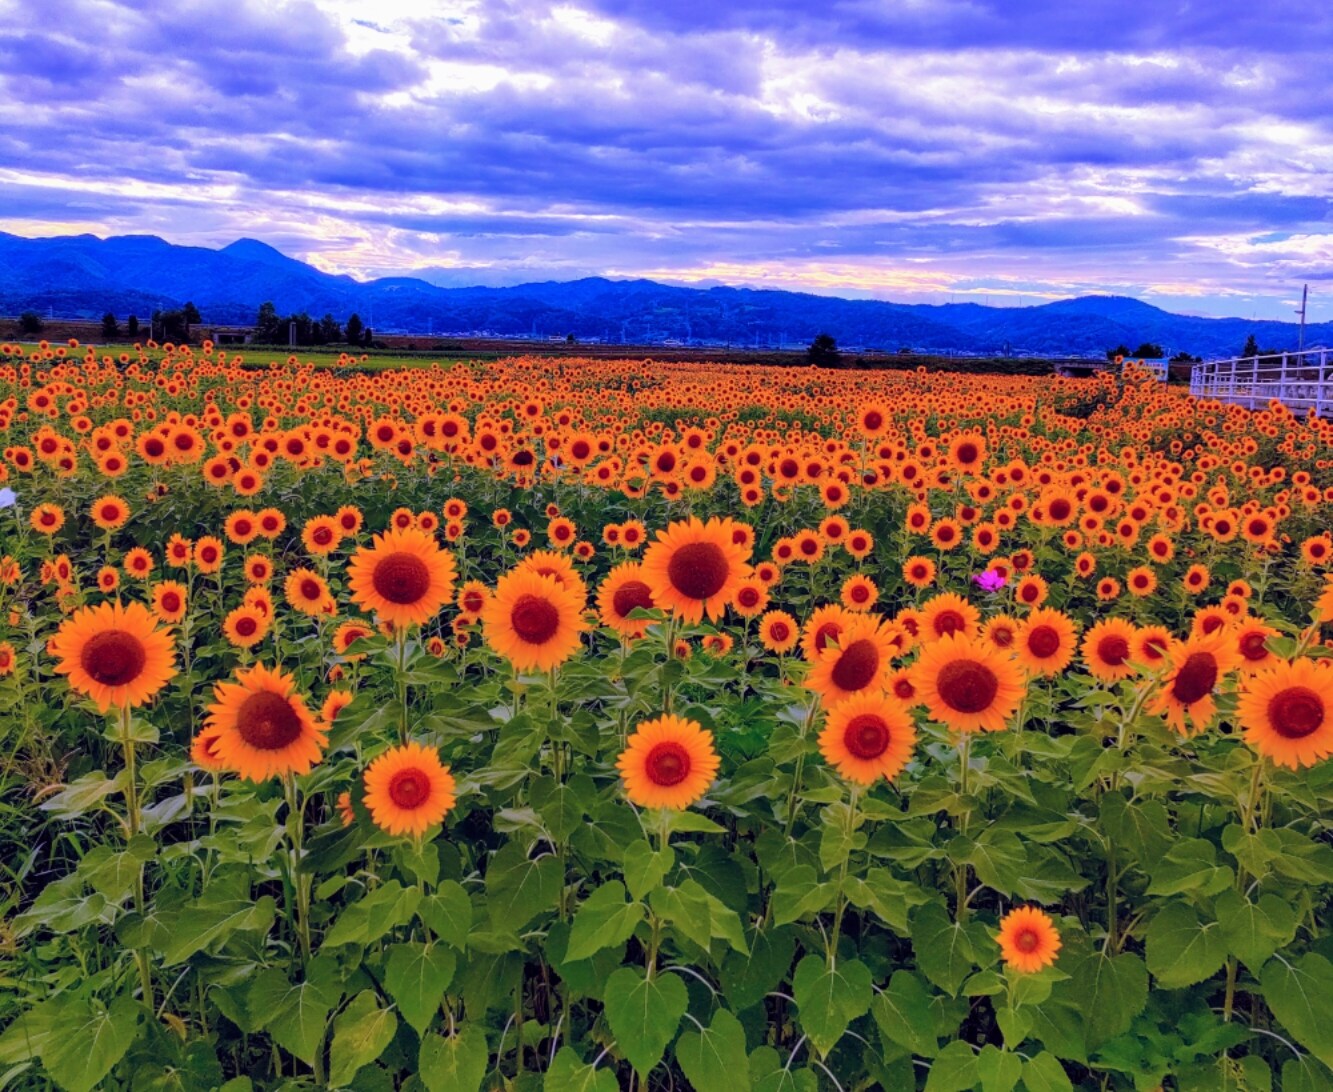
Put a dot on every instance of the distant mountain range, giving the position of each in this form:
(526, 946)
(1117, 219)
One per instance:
(82, 276)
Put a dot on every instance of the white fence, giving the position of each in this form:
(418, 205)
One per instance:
(1300, 381)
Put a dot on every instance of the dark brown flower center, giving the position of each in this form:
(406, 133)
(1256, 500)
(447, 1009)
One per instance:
(1296, 712)
(409, 788)
(1195, 679)
(1027, 940)
(967, 686)
(698, 570)
(1113, 650)
(113, 657)
(535, 619)
(866, 735)
(1043, 641)
(857, 665)
(267, 721)
(1253, 646)
(401, 578)
(949, 621)
(630, 595)
(667, 764)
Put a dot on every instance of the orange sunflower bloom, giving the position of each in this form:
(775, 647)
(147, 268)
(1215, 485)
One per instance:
(1195, 668)
(110, 512)
(858, 665)
(968, 684)
(919, 571)
(1028, 939)
(946, 614)
(868, 737)
(47, 519)
(693, 568)
(306, 591)
(622, 592)
(1045, 642)
(822, 629)
(408, 790)
(321, 535)
(263, 728)
(245, 626)
(405, 577)
(1252, 639)
(169, 600)
(859, 592)
(533, 621)
(778, 631)
(208, 554)
(1108, 648)
(1285, 713)
(204, 752)
(7, 659)
(347, 634)
(668, 762)
(114, 654)
(751, 597)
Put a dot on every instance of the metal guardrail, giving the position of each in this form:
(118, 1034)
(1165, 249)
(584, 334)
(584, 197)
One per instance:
(1300, 381)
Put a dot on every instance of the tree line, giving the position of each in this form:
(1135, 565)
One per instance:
(274, 329)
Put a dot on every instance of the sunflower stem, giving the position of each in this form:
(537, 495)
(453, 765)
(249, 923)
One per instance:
(961, 870)
(400, 678)
(300, 882)
(133, 821)
(793, 799)
(842, 880)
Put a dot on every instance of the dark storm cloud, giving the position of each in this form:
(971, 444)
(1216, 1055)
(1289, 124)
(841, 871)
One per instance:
(1168, 141)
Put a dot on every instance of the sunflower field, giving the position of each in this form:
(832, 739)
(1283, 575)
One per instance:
(596, 725)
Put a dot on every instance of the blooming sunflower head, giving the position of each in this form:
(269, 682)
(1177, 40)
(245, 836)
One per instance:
(404, 576)
(668, 762)
(408, 789)
(693, 568)
(114, 654)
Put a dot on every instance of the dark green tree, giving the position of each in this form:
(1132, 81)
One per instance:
(1251, 347)
(823, 352)
(30, 322)
(268, 325)
(191, 313)
(329, 330)
(132, 326)
(356, 330)
(1121, 350)
(1148, 351)
(110, 327)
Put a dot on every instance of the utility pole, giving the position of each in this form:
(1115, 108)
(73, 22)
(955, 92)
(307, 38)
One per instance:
(1300, 338)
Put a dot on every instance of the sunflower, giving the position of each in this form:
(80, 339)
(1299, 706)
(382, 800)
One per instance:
(859, 592)
(823, 628)
(110, 512)
(919, 571)
(306, 591)
(1108, 648)
(408, 789)
(114, 654)
(1252, 637)
(751, 597)
(668, 762)
(1028, 939)
(946, 614)
(405, 577)
(169, 599)
(1149, 646)
(1285, 713)
(533, 621)
(203, 751)
(47, 519)
(208, 554)
(968, 684)
(8, 658)
(471, 599)
(857, 665)
(1045, 641)
(321, 535)
(778, 631)
(1031, 591)
(1001, 630)
(868, 737)
(138, 563)
(264, 729)
(347, 634)
(245, 627)
(1194, 668)
(622, 592)
(694, 568)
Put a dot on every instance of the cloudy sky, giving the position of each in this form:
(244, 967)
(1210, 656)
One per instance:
(921, 150)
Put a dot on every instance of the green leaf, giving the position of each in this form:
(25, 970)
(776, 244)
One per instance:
(999, 859)
(955, 1070)
(360, 1034)
(368, 919)
(644, 1014)
(1181, 949)
(561, 806)
(944, 951)
(1044, 1073)
(454, 1064)
(829, 998)
(207, 919)
(82, 795)
(715, 1057)
(1111, 991)
(1306, 1074)
(604, 920)
(86, 1039)
(448, 912)
(1188, 868)
(645, 867)
(687, 909)
(903, 1014)
(998, 1069)
(518, 888)
(1254, 931)
(799, 893)
(568, 1073)
(416, 977)
(1301, 997)
(747, 979)
(770, 1074)
(296, 1016)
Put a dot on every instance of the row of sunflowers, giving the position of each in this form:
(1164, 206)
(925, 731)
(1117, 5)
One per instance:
(599, 724)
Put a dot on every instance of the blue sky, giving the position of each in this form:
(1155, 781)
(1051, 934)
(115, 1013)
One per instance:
(917, 150)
